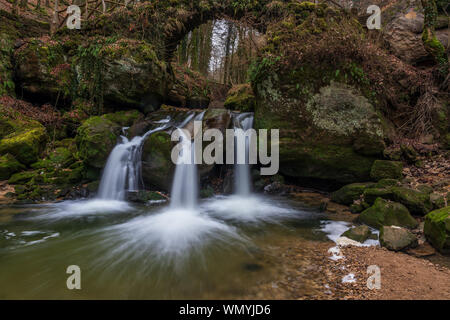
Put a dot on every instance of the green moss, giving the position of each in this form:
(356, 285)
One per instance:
(347, 194)
(26, 145)
(157, 166)
(387, 213)
(416, 201)
(95, 139)
(383, 183)
(328, 162)
(22, 177)
(8, 166)
(359, 233)
(124, 118)
(437, 229)
(384, 169)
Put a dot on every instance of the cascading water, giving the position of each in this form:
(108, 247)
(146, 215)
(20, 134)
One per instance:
(184, 191)
(242, 182)
(185, 186)
(123, 168)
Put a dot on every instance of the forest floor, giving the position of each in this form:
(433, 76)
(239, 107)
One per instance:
(305, 271)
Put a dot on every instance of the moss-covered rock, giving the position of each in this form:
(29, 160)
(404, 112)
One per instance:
(384, 169)
(383, 183)
(25, 144)
(124, 118)
(387, 213)
(8, 166)
(359, 233)
(22, 177)
(157, 166)
(95, 140)
(128, 73)
(371, 194)
(43, 69)
(347, 194)
(417, 202)
(336, 135)
(396, 238)
(437, 229)
(241, 98)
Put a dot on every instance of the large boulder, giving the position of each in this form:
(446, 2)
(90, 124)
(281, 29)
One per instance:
(241, 98)
(131, 75)
(43, 70)
(437, 229)
(387, 213)
(96, 137)
(335, 136)
(122, 73)
(396, 238)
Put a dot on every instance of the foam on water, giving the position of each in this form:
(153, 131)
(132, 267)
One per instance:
(72, 208)
(253, 208)
(168, 236)
(334, 229)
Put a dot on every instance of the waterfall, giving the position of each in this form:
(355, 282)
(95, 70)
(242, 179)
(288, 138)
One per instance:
(123, 168)
(184, 191)
(242, 184)
(185, 185)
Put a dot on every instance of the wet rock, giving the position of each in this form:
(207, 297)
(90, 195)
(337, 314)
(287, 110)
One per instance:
(396, 238)
(437, 229)
(359, 233)
(386, 213)
(384, 169)
(157, 165)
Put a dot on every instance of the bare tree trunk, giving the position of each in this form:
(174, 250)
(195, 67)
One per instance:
(55, 19)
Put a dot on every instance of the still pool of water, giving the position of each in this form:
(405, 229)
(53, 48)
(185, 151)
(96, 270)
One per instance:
(127, 251)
